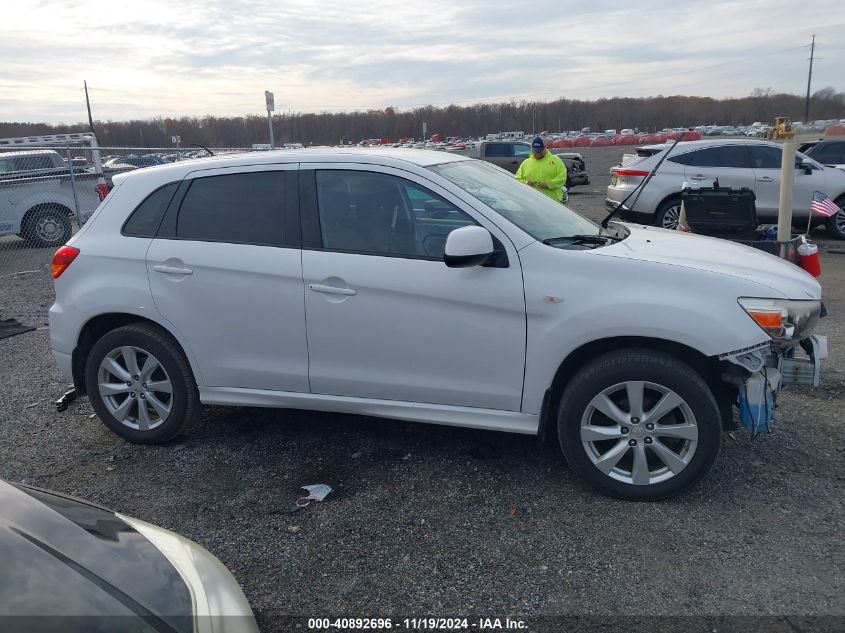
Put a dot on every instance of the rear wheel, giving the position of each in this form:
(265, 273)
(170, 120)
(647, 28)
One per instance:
(836, 223)
(668, 214)
(639, 425)
(47, 225)
(141, 385)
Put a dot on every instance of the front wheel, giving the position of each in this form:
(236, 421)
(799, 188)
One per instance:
(639, 425)
(141, 385)
(836, 223)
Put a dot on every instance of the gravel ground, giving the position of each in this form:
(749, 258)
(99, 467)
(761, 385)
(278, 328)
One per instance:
(429, 520)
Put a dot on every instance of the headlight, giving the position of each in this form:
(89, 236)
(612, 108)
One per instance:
(786, 321)
(219, 604)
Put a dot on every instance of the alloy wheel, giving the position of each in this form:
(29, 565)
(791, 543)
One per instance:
(671, 217)
(840, 220)
(135, 388)
(639, 432)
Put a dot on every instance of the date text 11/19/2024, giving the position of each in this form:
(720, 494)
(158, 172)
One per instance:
(416, 624)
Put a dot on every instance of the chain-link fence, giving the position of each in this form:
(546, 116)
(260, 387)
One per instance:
(49, 187)
(48, 190)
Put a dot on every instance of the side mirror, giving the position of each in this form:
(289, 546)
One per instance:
(468, 246)
(806, 168)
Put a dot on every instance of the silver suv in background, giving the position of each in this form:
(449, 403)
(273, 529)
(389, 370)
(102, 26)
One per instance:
(734, 163)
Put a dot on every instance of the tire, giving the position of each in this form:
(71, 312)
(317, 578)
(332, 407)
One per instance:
(668, 214)
(47, 225)
(119, 406)
(836, 223)
(690, 430)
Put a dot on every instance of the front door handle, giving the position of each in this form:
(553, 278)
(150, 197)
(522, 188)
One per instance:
(514, 162)
(332, 290)
(698, 177)
(765, 179)
(172, 270)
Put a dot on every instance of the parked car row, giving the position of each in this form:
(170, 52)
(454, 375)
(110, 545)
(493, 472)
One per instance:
(738, 163)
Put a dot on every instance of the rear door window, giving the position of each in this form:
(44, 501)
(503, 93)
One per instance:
(683, 159)
(498, 150)
(735, 156)
(765, 157)
(243, 208)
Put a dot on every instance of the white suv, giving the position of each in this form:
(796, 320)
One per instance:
(428, 287)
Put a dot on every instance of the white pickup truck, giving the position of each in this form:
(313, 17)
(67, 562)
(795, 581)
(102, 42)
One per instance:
(37, 199)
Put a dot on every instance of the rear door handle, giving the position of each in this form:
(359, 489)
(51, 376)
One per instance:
(172, 270)
(765, 179)
(698, 177)
(332, 290)
(514, 162)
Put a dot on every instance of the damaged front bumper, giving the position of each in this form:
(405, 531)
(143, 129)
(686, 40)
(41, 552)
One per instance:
(759, 374)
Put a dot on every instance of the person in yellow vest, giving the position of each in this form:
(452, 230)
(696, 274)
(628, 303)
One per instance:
(544, 171)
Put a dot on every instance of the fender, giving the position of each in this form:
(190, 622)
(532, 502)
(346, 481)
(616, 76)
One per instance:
(575, 301)
(108, 285)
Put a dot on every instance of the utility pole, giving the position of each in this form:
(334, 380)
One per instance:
(809, 78)
(88, 104)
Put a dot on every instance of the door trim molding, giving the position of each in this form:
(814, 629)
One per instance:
(447, 415)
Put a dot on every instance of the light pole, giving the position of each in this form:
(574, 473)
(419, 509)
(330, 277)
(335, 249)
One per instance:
(271, 106)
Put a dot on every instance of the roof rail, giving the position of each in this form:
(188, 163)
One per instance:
(73, 138)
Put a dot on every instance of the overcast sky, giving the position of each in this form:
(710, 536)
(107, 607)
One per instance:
(147, 58)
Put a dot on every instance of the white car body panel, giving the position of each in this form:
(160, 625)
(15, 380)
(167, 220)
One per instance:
(241, 307)
(636, 289)
(241, 310)
(767, 190)
(111, 277)
(416, 330)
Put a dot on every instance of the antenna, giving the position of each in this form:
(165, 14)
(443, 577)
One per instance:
(88, 104)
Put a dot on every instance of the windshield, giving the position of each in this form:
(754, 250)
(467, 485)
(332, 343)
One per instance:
(535, 213)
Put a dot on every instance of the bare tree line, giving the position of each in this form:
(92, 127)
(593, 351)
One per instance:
(648, 114)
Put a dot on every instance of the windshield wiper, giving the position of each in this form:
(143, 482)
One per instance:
(595, 238)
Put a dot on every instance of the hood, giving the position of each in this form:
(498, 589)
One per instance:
(676, 248)
(64, 557)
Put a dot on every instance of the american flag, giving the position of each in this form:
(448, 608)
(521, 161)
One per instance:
(822, 205)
